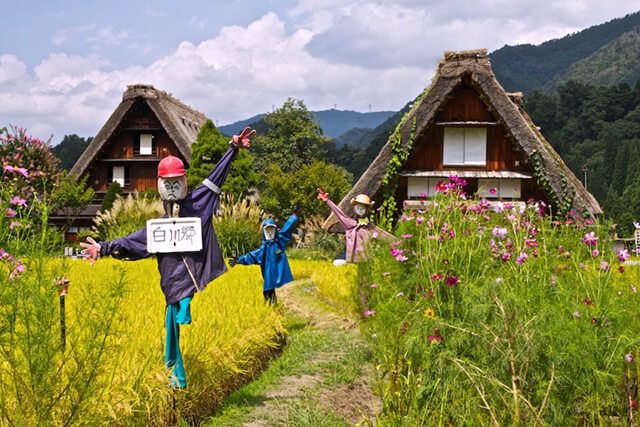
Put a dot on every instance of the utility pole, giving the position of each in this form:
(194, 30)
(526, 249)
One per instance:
(585, 169)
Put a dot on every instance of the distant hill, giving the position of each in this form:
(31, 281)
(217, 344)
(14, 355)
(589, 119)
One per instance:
(527, 67)
(333, 122)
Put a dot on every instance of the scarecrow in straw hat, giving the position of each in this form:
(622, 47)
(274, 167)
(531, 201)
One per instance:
(358, 231)
(182, 274)
(271, 256)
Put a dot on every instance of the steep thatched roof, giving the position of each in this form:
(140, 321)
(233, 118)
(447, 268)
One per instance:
(474, 69)
(180, 121)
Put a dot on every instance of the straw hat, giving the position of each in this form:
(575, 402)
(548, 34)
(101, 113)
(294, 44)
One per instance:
(362, 199)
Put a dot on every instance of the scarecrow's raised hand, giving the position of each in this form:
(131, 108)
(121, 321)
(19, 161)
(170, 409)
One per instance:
(243, 140)
(323, 195)
(92, 249)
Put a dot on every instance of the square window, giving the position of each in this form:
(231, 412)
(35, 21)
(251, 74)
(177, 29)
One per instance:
(418, 186)
(118, 175)
(465, 146)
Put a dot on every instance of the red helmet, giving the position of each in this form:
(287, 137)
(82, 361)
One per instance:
(170, 167)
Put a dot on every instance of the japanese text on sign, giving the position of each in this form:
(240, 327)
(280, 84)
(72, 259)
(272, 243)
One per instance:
(167, 235)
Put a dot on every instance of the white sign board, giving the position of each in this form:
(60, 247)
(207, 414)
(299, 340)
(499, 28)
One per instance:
(167, 235)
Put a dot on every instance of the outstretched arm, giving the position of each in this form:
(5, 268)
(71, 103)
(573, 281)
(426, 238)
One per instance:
(205, 197)
(345, 220)
(286, 231)
(133, 247)
(253, 257)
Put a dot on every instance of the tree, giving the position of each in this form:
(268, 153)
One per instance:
(70, 150)
(114, 190)
(208, 149)
(72, 196)
(294, 139)
(285, 191)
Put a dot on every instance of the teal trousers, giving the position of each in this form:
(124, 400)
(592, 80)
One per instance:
(177, 314)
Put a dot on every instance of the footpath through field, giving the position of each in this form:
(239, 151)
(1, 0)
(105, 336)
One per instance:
(322, 377)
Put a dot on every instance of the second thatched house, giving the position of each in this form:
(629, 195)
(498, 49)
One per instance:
(466, 125)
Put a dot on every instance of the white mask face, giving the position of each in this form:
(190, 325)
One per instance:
(172, 189)
(360, 210)
(269, 233)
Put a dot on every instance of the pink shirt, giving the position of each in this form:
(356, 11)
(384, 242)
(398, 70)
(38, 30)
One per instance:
(357, 234)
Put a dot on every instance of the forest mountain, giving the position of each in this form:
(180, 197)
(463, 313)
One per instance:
(333, 122)
(602, 54)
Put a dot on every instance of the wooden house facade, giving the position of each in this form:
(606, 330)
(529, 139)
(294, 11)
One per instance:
(147, 126)
(466, 125)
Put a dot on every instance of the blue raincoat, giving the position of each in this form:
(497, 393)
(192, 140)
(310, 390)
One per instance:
(271, 256)
(175, 280)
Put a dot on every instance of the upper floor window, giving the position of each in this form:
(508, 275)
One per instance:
(465, 146)
(146, 144)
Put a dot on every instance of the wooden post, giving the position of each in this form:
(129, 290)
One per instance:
(62, 283)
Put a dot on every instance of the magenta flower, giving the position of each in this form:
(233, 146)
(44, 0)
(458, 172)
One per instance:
(370, 313)
(10, 213)
(506, 256)
(374, 285)
(590, 239)
(9, 168)
(23, 171)
(452, 281)
(407, 236)
(396, 243)
(396, 252)
(621, 269)
(436, 276)
(423, 194)
(492, 190)
(419, 220)
(628, 357)
(498, 232)
(435, 339)
(595, 253)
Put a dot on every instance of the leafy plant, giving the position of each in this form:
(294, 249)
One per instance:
(239, 225)
(114, 190)
(125, 216)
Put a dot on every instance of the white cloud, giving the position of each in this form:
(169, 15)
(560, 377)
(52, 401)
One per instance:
(11, 68)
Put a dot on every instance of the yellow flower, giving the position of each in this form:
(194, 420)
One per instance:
(429, 313)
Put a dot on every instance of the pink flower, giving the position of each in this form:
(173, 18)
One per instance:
(386, 273)
(535, 253)
(595, 253)
(423, 194)
(499, 232)
(604, 266)
(452, 281)
(396, 252)
(23, 171)
(436, 276)
(628, 357)
(492, 190)
(18, 201)
(506, 256)
(434, 339)
(419, 220)
(10, 213)
(401, 258)
(370, 313)
(374, 234)
(623, 255)
(374, 285)
(522, 258)
(396, 243)
(14, 224)
(590, 239)
(407, 236)
(399, 294)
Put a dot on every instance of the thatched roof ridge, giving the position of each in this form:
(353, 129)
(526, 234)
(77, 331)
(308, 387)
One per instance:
(471, 67)
(180, 121)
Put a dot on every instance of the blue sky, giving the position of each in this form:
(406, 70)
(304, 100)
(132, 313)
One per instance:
(65, 64)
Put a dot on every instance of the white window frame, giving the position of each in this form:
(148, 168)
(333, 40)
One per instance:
(464, 146)
(146, 144)
(118, 175)
(427, 185)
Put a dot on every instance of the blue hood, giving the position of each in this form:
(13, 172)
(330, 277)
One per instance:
(264, 224)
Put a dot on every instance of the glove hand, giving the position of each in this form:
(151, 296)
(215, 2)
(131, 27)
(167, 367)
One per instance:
(323, 195)
(92, 249)
(233, 261)
(243, 140)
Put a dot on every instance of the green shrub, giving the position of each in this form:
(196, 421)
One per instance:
(500, 316)
(125, 216)
(239, 225)
(111, 195)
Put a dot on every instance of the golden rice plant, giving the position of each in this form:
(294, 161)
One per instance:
(336, 285)
(231, 336)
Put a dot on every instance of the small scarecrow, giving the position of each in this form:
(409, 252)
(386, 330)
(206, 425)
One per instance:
(271, 257)
(182, 274)
(358, 231)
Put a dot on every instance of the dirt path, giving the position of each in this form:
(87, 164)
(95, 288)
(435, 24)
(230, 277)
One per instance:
(323, 376)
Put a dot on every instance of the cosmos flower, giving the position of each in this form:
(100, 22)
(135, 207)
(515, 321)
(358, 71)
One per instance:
(370, 313)
(452, 281)
(590, 239)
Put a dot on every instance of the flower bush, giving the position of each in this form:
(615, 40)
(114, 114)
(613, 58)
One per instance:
(500, 314)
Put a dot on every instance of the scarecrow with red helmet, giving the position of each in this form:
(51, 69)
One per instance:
(182, 274)
(359, 230)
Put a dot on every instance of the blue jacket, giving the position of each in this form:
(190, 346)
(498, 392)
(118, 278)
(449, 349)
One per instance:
(271, 256)
(207, 264)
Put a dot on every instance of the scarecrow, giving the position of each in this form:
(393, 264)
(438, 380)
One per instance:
(181, 274)
(271, 257)
(358, 231)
